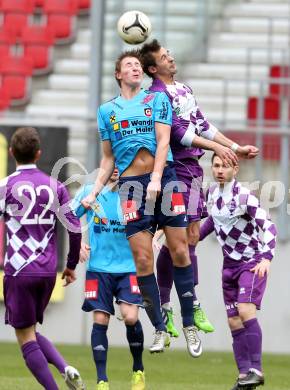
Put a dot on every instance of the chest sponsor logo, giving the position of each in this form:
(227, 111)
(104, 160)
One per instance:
(91, 289)
(177, 203)
(148, 111)
(134, 285)
(100, 224)
(125, 124)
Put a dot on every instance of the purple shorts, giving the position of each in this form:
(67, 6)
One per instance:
(26, 298)
(191, 173)
(240, 285)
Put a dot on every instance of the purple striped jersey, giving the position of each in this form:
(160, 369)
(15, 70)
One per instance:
(237, 219)
(30, 203)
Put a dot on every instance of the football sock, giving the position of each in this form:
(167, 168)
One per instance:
(99, 343)
(254, 337)
(193, 259)
(241, 350)
(135, 339)
(183, 279)
(151, 300)
(164, 269)
(38, 365)
(51, 353)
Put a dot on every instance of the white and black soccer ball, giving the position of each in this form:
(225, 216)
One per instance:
(134, 27)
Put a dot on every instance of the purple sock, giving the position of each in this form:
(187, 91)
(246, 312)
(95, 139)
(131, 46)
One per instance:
(51, 353)
(254, 337)
(241, 350)
(37, 364)
(164, 268)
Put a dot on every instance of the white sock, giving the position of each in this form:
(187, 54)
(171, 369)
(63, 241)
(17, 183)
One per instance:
(166, 306)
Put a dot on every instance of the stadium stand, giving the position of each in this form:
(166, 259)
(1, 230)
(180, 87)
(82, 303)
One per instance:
(245, 45)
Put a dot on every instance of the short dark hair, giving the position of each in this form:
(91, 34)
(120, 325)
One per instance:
(25, 143)
(147, 57)
(128, 53)
(213, 156)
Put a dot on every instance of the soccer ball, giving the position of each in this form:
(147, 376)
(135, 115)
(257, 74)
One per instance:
(134, 27)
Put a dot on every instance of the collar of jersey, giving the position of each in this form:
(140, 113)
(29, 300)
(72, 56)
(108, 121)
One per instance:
(133, 98)
(228, 188)
(25, 166)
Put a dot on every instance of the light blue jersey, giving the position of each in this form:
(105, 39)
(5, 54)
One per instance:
(130, 124)
(110, 250)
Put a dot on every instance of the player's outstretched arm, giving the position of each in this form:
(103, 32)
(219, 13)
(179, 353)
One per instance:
(246, 151)
(265, 224)
(105, 172)
(227, 156)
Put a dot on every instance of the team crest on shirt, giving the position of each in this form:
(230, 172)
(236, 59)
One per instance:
(148, 98)
(148, 111)
(232, 206)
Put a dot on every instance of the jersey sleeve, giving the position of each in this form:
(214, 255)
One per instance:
(162, 109)
(3, 189)
(206, 228)
(72, 225)
(102, 127)
(265, 224)
(204, 128)
(76, 205)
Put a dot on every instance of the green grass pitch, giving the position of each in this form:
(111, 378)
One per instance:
(172, 370)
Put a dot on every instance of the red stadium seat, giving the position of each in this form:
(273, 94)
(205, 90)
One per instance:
(61, 17)
(16, 77)
(277, 89)
(4, 99)
(15, 22)
(84, 5)
(38, 45)
(21, 6)
(7, 39)
(39, 3)
(61, 7)
(271, 108)
(271, 142)
(16, 14)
